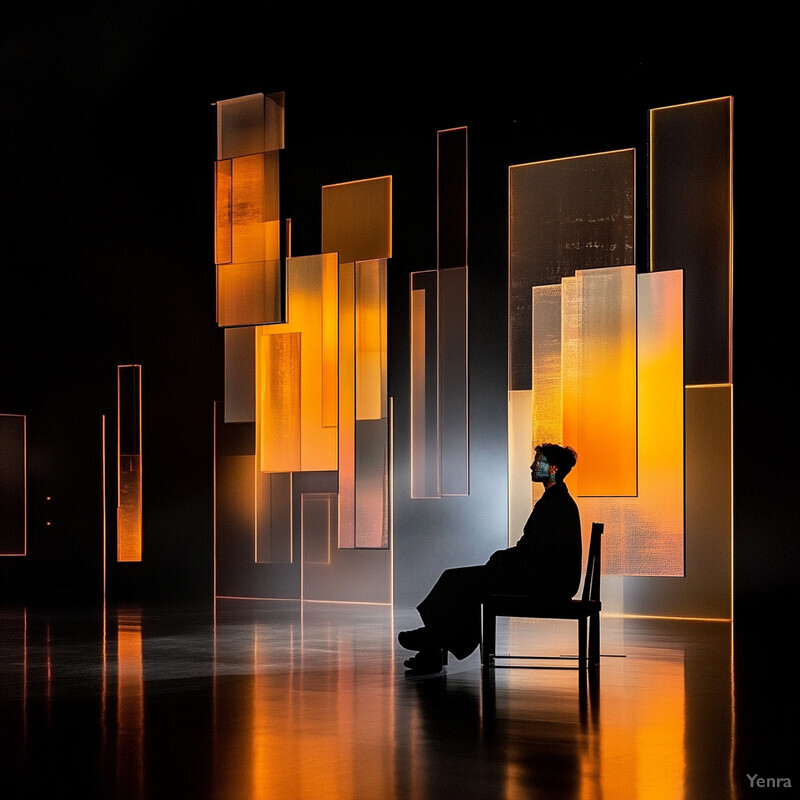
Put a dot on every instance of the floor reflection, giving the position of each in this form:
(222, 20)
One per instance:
(288, 700)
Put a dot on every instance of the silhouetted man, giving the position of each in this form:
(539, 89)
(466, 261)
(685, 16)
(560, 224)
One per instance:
(546, 561)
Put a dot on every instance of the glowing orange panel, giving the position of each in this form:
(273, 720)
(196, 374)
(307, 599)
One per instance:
(255, 208)
(347, 407)
(249, 294)
(357, 219)
(308, 290)
(278, 401)
(129, 463)
(547, 410)
(606, 379)
(223, 211)
(371, 397)
(13, 509)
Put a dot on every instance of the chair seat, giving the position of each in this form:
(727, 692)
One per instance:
(522, 605)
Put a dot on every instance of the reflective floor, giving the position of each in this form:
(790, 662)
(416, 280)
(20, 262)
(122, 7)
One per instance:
(277, 699)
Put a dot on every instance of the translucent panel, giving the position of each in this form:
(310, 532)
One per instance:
(250, 124)
(548, 419)
(347, 406)
(424, 385)
(371, 396)
(606, 375)
(255, 193)
(223, 212)
(453, 388)
(278, 401)
(691, 224)
(565, 215)
(317, 510)
(13, 509)
(249, 294)
(306, 282)
(452, 198)
(372, 483)
(273, 518)
(357, 219)
(240, 375)
(330, 342)
(129, 463)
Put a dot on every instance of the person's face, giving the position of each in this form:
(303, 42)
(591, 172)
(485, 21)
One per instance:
(540, 469)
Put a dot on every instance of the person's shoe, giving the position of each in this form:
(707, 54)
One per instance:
(418, 639)
(426, 662)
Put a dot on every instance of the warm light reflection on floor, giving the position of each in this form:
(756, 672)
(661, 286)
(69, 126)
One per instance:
(278, 699)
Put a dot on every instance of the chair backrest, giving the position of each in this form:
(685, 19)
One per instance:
(591, 583)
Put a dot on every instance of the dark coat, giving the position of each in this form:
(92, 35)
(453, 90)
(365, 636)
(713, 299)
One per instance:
(545, 561)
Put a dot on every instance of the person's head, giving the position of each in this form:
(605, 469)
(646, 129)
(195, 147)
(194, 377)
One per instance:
(552, 463)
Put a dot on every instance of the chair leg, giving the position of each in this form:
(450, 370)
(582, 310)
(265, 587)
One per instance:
(582, 643)
(488, 638)
(594, 640)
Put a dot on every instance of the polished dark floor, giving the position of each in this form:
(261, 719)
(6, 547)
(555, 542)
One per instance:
(277, 699)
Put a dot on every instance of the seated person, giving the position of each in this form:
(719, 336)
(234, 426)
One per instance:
(546, 561)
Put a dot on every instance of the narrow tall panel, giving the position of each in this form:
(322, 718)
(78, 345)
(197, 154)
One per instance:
(347, 406)
(424, 385)
(129, 463)
(565, 215)
(250, 124)
(223, 212)
(13, 485)
(547, 410)
(371, 373)
(273, 518)
(255, 211)
(606, 375)
(451, 198)
(318, 519)
(453, 382)
(691, 224)
(240, 375)
(357, 219)
(278, 401)
(372, 484)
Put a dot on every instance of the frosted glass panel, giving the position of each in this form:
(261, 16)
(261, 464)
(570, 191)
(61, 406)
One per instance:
(250, 124)
(565, 215)
(357, 219)
(453, 388)
(452, 198)
(274, 518)
(129, 463)
(255, 208)
(547, 408)
(223, 210)
(249, 294)
(691, 224)
(318, 519)
(240, 375)
(371, 395)
(12, 485)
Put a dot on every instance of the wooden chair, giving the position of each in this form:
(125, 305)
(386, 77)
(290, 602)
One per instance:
(585, 610)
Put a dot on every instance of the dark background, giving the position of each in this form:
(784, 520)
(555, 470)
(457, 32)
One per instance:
(108, 140)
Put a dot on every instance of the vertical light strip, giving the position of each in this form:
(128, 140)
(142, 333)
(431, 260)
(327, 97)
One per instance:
(347, 406)
(418, 394)
(129, 463)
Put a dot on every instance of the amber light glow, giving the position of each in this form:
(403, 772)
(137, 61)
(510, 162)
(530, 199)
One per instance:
(129, 463)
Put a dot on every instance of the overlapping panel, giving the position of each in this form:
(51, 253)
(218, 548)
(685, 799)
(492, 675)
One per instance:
(565, 215)
(250, 124)
(291, 364)
(357, 219)
(274, 518)
(318, 519)
(371, 372)
(249, 294)
(424, 385)
(240, 375)
(452, 198)
(129, 463)
(13, 506)
(691, 224)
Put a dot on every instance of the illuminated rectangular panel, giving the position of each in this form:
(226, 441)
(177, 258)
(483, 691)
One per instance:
(691, 224)
(255, 193)
(13, 504)
(565, 215)
(240, 375)
(317, 399)
(278, 401)
(223, 212)
(330, 342)
(371, 395)
(129, 463)
(347, 406)
(451, 198)
(372, 484)
(547, 406)
(424, 385)
(249, 294)
(274, 518)
(453, 384)
(250, 124)
(607, 382)
(357, 219)
(317, 520)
